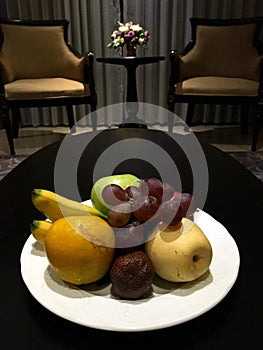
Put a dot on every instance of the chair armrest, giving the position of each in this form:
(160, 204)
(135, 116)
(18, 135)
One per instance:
(89, 71)
(73, 50)
(187, 48)
(88, 67)
(260, 88)
(175, 63)
(174, 77)
(4, 116)
(174, 70)
(2, 86)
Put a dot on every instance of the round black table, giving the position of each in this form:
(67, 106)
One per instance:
(234, 198)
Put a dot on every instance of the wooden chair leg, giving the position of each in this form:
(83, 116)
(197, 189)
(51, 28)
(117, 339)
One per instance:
(170, 123)
(244, 118)
(257, 124)
(94, 120)
(171, 106)
(189, 115)
(70, 115)
(15, 121)
(93, 116)
(8, 129)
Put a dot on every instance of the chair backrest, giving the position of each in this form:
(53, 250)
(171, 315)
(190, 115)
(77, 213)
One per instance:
(228, 48)
(37, 49)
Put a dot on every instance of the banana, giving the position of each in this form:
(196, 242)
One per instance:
(55, 206)
(39, 229)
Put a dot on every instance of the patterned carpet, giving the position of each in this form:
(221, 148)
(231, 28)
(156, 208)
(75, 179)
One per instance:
(253, 161)
(8, 163)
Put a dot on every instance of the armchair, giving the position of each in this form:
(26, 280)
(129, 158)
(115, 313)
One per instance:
(39, 68)
(222, 64)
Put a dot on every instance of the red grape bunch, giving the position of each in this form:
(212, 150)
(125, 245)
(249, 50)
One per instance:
(152, 199)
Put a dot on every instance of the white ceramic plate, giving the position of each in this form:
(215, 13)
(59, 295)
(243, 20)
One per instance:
(170, 304)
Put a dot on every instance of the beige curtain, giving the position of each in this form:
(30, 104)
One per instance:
(91, 23)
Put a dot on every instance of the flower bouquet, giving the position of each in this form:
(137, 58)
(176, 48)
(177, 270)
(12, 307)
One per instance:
(129, 34)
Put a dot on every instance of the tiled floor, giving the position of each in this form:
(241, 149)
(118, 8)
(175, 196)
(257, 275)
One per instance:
(228, 138)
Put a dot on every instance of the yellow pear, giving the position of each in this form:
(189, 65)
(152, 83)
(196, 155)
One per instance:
(179, 253)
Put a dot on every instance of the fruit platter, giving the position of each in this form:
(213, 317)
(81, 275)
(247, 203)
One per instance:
(138, 255)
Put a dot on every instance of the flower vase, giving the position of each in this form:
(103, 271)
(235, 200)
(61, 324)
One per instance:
(130, 51)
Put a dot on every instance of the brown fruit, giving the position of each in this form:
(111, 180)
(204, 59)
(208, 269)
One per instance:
(132, 275)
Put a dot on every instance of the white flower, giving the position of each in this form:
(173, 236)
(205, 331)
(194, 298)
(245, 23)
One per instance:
(136, 27)
(141, 41)
(123, 29)
(118, 41)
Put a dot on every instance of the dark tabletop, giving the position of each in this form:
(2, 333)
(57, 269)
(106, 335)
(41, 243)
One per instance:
(235, 198)
(126, 61)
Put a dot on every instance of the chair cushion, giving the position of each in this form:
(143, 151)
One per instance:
(225, 51)
(37, 52)
(44, 88)
(218, 86)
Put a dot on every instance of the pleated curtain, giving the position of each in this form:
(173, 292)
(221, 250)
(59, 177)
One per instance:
(92, 22)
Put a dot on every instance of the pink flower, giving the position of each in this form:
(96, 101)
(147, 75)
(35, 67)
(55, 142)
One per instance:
(129, 35)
